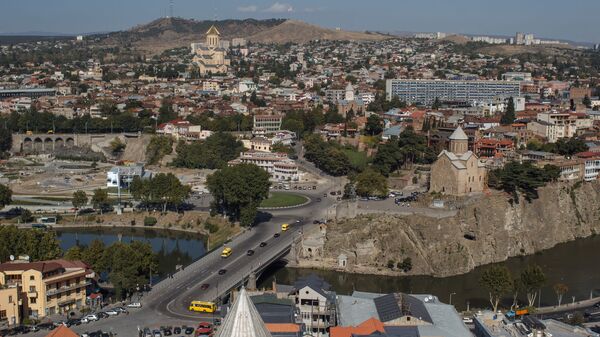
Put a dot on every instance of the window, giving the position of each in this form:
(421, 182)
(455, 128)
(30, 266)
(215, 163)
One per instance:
(32, 300)
(10, 299)
(31, 289)
(31, 278)
(2, 314)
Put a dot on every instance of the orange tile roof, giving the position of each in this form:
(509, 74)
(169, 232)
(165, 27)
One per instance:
(365, 328)
(282, 327)
(62, 331)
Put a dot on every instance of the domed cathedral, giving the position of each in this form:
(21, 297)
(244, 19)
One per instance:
(457, 171)
(210, 57)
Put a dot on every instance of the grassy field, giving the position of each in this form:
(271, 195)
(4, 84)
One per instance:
(280, 199)
(357, 159)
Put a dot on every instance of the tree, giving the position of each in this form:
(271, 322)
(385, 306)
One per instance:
(532, 278)
(74, 253)
(517, 287)
(158, 147)
(587, 102)
(79, 200)
(371, 183)
(5, 140)
(509, 115)
(374, 125)
(167, 189)
(436, 104)
(560, 289)
(212, 153)
(517, 177)
(238, 191)
(117, 146)
(100, 199)
(5, 195)
(26, 216)
(498, 282)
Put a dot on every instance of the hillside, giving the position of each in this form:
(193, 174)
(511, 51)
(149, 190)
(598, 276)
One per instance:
(167, 33)
(484, 230)
(302, 32)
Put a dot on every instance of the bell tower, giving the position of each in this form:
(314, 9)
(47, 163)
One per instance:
(213, 38)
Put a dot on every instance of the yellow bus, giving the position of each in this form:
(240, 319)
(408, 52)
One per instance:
(200, 306)
(285, 227)
(226, 252)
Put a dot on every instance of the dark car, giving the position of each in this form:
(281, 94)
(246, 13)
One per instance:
(167, 331)
(177, 330)
(74, 321)
(189, 330)
(46, 326)
(204, 287)
(276, 235)
(217, 321)
(222, 271)
(250, 252)
(102, 315)
(262, 244)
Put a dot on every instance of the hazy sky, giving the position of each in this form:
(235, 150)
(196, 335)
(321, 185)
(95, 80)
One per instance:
(573, 19)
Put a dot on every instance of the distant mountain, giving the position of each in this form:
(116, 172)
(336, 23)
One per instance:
(167, 33)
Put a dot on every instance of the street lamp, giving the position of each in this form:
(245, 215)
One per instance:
(450, 301)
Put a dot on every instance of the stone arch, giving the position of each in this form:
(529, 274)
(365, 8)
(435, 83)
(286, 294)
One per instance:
(59, 142)
(70, 142)
(48, 144)
(27, 144)
(38, 144)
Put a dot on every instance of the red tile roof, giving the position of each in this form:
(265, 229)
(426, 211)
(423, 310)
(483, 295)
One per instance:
(62, 331)
(365, 328)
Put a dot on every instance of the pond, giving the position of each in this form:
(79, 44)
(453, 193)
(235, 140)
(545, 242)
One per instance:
(172, 247)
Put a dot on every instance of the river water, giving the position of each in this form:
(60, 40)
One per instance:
(576, 264)
(172, 247)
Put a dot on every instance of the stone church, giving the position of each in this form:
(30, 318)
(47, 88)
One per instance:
(458, 171)
(210, 57)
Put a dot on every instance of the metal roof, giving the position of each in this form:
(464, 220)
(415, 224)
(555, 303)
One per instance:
(243, 320)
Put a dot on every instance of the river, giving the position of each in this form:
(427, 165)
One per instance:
(172, 247)
(573, 263)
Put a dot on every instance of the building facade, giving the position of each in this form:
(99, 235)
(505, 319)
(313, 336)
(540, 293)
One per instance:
(211, 57)
(46, 287)
(426, 91)
(278, 165)
(10, 308)
(266, 124)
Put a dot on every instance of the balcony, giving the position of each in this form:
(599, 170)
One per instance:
(54, 291)
(31, 294)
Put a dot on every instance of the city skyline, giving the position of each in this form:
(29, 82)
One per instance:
(67, 17)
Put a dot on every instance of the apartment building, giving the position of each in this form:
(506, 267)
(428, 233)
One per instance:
(554, 125)
(278, 165)
(265, 124)
(427, 91)
(46, 287)
(10, 312)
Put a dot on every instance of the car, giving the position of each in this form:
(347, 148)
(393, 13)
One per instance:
(177, 330)
(121, 310)
(134, 305)
(147, 333)
(91, 317)
(204, 328)
(112, 312)
(262, 244)
(156, 333)
(324, 195)
(102, 315)
(222, 271)
(74, 321)
(468, 320)
(316, 222)
(46, 326)
(332, 192)
(276, 235)
(204, 287)
(189, 330)
(84, 320)
(250, 252)
(167, 331)
(339, 192)
(314, 187)
(217, 321)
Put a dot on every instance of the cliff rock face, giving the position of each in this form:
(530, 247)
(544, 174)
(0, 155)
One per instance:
(485, 230)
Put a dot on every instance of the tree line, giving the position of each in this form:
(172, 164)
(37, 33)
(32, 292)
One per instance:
(163, 189)
(212, 153)
(525, 178)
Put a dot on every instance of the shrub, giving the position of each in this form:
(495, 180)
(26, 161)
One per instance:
(211, 227)
(150, 221)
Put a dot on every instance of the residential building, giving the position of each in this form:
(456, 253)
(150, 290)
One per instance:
(496, 324)
(123, 175)
(211, 57)
(279, 166)
(10, 306)
(517, 76)
(427, 91)
(47, 287)
(266, 124)
(396, 314)
(591, 165)
(553, 125)
(491, 148)
(181, 129)
(457, 171)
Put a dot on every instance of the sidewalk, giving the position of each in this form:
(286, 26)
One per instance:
(568, 306)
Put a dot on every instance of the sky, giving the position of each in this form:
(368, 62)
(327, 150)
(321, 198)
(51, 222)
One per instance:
(575, 20)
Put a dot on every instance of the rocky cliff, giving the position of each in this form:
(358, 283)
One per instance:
(486, 229)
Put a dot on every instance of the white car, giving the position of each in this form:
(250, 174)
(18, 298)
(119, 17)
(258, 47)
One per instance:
(84, 320)
(468, 320)
(91, 317)
(134, 305)
(112, 312)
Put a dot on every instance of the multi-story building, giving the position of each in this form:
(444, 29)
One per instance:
(555, 125)
(279, 166)
(266, 124)
(591, 165)
(427, 91)
(46, 287)
(124, 175)
(10, 308)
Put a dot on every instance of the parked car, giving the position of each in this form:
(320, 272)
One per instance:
(46, 326)
(121, 310)
(147, 332)
(112, 312)
(177, 330)
(189, 330)
(167, 331)
(134, 305)
(156, 333)
(102, 315)
(91, 317)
